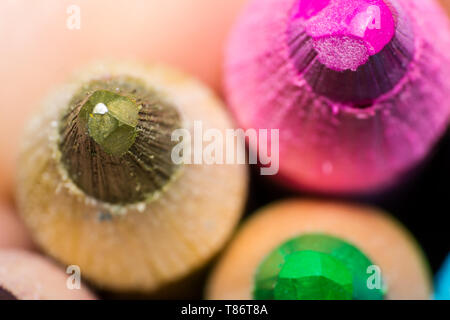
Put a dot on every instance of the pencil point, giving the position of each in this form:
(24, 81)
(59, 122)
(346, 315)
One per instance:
(315, 267)
(350, 51)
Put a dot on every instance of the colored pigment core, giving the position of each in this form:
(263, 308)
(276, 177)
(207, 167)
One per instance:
(317, 267)
(346, 32)
(350, 52)
(111, 120)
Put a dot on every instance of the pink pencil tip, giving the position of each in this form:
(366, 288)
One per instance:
(346, 32)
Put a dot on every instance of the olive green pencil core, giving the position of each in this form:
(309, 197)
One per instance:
(115, 140)
(112, 120)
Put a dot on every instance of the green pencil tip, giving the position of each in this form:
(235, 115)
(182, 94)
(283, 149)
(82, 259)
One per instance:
(316, 267)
